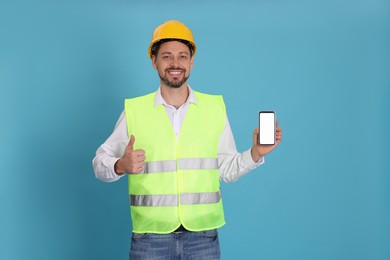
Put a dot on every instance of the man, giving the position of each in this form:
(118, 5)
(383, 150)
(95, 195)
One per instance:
(175, 145)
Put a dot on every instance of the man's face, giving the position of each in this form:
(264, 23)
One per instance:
(173, 63)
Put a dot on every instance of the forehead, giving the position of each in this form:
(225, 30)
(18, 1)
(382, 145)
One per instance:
(174, 47)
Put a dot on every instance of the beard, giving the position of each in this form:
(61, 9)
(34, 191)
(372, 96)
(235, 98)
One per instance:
(176, 83)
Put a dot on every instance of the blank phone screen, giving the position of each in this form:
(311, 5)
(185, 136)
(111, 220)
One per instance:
(267, 127)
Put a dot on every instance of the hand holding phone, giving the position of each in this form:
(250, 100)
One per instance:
(267, 127)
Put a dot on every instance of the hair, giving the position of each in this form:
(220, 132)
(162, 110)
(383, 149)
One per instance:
(156, 46)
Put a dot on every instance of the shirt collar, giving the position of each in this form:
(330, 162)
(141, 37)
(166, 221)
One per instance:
(159, 100)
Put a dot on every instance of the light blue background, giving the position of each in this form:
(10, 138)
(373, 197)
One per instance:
(323, 66)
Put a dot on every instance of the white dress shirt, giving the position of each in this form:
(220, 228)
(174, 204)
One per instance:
(231, 164)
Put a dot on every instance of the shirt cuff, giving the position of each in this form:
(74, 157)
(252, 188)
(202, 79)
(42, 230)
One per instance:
(248, 160)
(110, 164)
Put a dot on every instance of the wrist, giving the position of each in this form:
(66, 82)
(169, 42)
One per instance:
(255, 156)
(117, 168)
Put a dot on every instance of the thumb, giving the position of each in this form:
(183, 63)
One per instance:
(256, 137)
(131, 143)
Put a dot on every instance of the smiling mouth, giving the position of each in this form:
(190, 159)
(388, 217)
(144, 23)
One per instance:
(175, 71)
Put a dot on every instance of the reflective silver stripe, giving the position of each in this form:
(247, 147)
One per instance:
(200, 198)
(160, 166)
(153, 200)
(184, 164)
(198, 163)
(171, 199)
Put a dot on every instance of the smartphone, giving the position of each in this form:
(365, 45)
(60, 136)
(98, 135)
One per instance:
(267, 127)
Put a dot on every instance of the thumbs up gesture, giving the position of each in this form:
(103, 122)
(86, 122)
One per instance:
(133, 161)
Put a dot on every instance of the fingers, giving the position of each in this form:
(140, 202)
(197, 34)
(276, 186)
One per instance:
(137, 167)
(131, 162)
(134, 159)
(138, 156)
(278, 135)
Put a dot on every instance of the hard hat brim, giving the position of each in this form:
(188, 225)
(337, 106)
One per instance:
(155, 45)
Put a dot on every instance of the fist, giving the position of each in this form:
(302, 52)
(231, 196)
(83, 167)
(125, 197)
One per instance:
(133, 161)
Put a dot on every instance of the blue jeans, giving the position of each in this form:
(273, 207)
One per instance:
(186, 245)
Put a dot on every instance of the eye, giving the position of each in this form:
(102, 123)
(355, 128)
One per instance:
(165, 56)
(183, 57)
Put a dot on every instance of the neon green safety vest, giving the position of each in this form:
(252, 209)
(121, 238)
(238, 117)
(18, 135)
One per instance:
(180, 184)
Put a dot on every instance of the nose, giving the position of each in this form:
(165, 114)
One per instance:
(175, 62)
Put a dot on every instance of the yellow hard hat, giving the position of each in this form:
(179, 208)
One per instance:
(173, 30)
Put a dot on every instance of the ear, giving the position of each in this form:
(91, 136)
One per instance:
(154, 58)
(192, 62)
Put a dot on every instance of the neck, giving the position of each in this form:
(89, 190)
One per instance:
(175, 96)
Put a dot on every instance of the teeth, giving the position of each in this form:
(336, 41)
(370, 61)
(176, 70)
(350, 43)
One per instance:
(175, 72)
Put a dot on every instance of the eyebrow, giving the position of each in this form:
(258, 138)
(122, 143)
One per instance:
(168, 52)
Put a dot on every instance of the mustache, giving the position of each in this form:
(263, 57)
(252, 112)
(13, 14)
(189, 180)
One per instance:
(175, 68)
